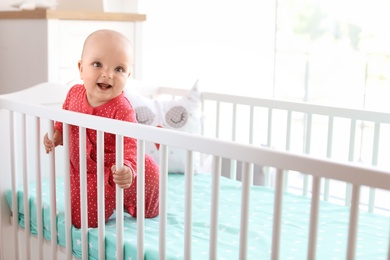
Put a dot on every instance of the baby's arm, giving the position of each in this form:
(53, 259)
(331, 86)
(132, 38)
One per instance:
(123, 177)
(51, 144)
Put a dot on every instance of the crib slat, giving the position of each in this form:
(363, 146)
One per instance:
(269, 140)
(329, 148)
(234, 122)
(285, 180)
(140, 198)
(288, 130)
(308, 130)
(68, 217)
(233, 163)
(163, 200)
(38, 177)
(307, 142)
(353, 222)
(251, 127)
(218, 111)
(83, 193)
(269, 129)
(375, 145)
(233, 169)
(288, 144)
(26, 203)
(119, 199)
(246, 180)
(202, 107)
(53, 202)
(14, 180)
(101, 194)
(315, 205)
(352, 137)
(189, 171)
(374, 161)
(277, 214)
(216, 175)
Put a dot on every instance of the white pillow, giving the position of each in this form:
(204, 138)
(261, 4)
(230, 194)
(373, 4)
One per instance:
(181, 114)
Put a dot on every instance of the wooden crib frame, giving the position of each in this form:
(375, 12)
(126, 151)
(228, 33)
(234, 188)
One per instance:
(314, 167)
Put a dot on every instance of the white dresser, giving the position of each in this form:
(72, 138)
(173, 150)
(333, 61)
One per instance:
(45, 45)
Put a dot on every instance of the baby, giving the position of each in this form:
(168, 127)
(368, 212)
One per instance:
(104, 67)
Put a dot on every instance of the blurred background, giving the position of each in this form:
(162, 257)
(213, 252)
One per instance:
(333, 52)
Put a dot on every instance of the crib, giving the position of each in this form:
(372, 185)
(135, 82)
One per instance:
(261, 179)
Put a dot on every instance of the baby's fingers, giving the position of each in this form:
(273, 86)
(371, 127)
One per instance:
(122, 177)
(122, 182)
(48, 144)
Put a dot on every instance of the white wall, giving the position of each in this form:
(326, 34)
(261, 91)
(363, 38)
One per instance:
(227, 44)
(6, 4)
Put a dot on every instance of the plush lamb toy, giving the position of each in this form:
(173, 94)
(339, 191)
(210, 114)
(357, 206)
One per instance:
(182, 114)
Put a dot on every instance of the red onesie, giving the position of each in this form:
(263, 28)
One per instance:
(117, 108)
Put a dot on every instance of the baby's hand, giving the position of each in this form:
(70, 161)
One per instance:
(51, 144)
(123, 177)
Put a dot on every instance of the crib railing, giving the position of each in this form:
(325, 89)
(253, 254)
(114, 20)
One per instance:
(338, 133)
(343, 134)
(332, 120)
(248, 154)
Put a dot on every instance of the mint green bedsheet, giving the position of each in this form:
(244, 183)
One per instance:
(372, 241)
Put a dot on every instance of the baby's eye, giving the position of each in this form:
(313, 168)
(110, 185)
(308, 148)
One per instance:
(97, 64)
(120, 69)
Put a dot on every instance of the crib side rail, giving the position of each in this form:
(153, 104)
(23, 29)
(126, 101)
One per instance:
(357, 175)
(275, 123)
(279, 113)
(242, 152)
(343, 134)
(331, 132)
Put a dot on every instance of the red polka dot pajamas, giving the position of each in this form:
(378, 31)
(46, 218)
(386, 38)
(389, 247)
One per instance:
(121, 109)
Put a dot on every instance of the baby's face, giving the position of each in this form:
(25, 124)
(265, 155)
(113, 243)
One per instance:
(105, 67)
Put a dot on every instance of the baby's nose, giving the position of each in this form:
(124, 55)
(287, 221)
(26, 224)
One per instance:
(107, 74)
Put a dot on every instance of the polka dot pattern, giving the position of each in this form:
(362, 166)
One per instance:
(118, 108)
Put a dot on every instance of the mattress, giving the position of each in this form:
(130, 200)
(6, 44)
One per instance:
(372, 240)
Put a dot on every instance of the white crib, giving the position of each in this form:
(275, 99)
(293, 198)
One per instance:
(329, 205)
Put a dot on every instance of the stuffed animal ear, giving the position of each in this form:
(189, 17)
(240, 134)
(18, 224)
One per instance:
(194, 93)
(184, 113)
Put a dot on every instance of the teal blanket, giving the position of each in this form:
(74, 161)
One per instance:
(372, 241)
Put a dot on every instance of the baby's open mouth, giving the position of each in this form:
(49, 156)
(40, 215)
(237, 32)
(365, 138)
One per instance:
(104, 86)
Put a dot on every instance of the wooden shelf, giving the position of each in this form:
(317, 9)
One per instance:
(71, 15)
